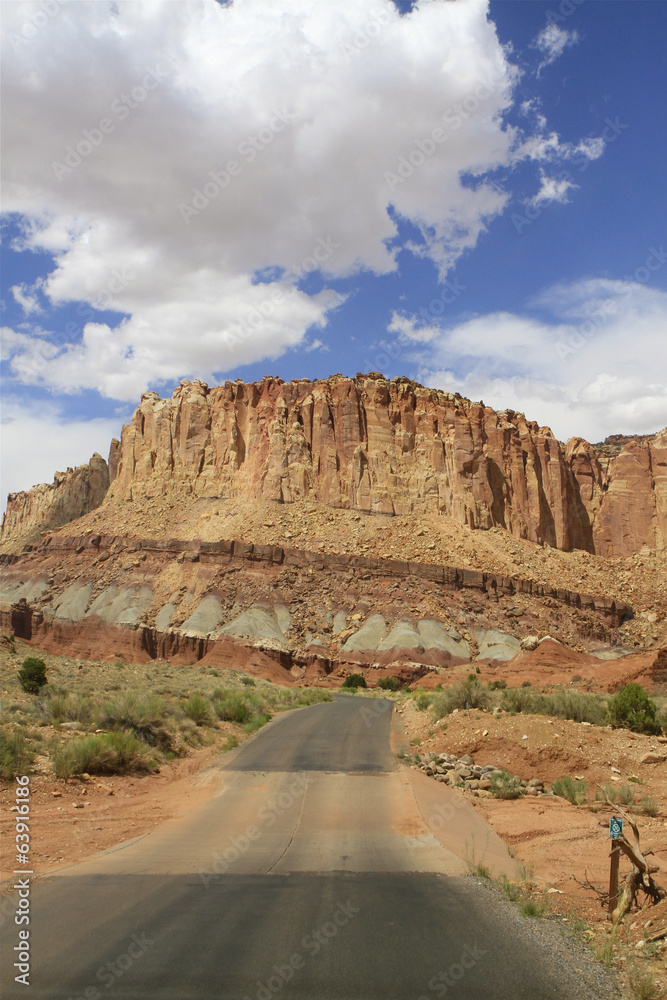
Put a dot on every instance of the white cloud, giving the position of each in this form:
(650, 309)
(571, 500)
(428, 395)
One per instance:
(166, 153)
(552, 42)
(36, 440)
(26, 298)
(553, 189)
(597, 365)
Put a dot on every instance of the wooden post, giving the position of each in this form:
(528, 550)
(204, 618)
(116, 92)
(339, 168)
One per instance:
(613, 875)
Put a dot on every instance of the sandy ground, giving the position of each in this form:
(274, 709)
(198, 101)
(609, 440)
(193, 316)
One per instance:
(75, 818)
(558, 842)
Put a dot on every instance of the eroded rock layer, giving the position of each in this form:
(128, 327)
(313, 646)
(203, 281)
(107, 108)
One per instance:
(51, 505)
(365, 443)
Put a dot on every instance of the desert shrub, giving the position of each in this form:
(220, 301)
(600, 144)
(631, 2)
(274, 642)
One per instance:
(517, 700)
(505, 785)
(198, 708)
(15, 754)
(142, 713)
(389, 683)
(649, 806)
(32, 675)
(355, 681)
(498, 685)
(532, 907)
(642, 983)
(61, 707)
(574, 790)
(310, 696)
(256, 721)
(422, 700)
(248, 681)
(233, 706)
(574, 705)
(470, 693)
(631, 708)
(117, 752)
(606, 791)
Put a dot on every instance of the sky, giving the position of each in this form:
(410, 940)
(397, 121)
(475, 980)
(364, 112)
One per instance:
(467, 193)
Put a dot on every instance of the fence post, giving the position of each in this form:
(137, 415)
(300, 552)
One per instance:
(613, 875)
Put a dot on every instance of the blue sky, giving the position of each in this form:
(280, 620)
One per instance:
(469, 194)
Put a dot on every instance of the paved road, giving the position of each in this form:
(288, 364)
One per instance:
(310, 873)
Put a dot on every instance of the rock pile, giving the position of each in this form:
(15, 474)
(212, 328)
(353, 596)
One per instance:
(463, 772)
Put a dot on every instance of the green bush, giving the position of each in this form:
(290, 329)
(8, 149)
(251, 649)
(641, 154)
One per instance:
(142, 713)
(649, 806)
(107, 753)
(632, 709)
(355, 681)
(389, 683)
(62, 706)
(423, 700)
(498, 685)
(15, 754)
(310, 696)
(257, 721)
(532, 907)
(575, 791)
(562, 704)
(248, 681)
(572, 705)
(233, 706)
(198, 708)
(505, 786)
(32, 675)
(470, 693)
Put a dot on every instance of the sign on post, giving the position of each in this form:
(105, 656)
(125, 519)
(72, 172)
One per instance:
(615, 827)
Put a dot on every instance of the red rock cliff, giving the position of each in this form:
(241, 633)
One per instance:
(626, 502)
(365, 443)
(50, 505)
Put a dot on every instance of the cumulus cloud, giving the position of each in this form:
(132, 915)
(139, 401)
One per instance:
(552, 42)
(38, 440)
(595, 365)
(188, 164)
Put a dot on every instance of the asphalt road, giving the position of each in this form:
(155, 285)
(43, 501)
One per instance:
(310, 873)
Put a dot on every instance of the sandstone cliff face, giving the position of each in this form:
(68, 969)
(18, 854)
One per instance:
(626, 502)
(364, 443)
(373, 445)
(47, 506)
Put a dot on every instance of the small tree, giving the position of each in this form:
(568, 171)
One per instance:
(389, 683)
(355, 681)
(32, 675)
(632, 709)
